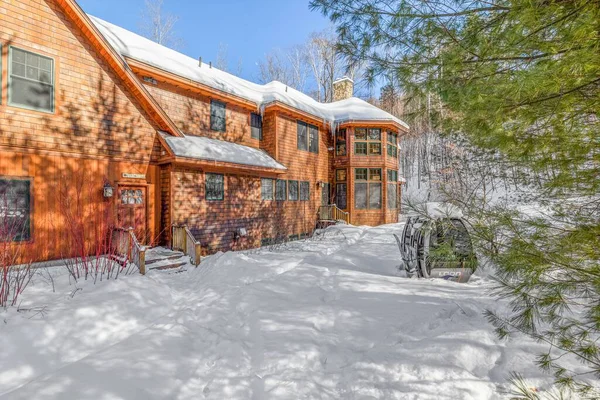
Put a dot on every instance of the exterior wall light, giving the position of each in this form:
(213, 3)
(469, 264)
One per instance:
(108, 190)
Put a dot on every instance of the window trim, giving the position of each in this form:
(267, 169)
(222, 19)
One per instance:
(9, 81)
(29, 239)
(215, 102)
(290, 182)
(308, 127)
(368, 182)
(285, 190)
(206, 174)
(392, 147)
(340, 142)
(252, 127)
(307, 185)
(272, 189)
(368, 142)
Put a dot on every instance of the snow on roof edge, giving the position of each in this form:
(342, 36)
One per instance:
(129, 44)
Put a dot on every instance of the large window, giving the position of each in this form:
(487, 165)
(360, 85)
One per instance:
(217, 116)
(293, 190)
(15, 210)
(308, 137)
(340, 142)
(392, 144)
(367, 188)
(304, 191)
(256, 126)
(215, 188)
(266, 189)
(392, 189)
(30, 80)
(367, 141)
(280, 190)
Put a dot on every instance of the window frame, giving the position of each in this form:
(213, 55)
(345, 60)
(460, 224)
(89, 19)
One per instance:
(367, 142)
(292, 183)
(256, 117)
(365, 179)
(278, 182)
(206, 175)
(9, 80)
(305, 184)
(337, 190)
(311, 135)
(214, 103)
(392, 148)
(344, 171)
(29, 219)
(341, 140)
(262, 192)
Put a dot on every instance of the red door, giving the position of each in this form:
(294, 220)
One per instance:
(132, 210)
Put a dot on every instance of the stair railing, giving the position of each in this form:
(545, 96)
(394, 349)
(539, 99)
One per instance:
(126, 245)
(333, 213)
(183, 240)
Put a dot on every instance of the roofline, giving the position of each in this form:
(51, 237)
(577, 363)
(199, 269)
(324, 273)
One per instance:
(178, 80)
(374, 122)
(214, 165)
(119, 65)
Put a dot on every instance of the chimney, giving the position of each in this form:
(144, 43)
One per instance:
(343, 88)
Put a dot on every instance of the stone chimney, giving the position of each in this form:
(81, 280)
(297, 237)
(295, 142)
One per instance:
(343, 88)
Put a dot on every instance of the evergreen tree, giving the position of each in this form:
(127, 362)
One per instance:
(519, 81)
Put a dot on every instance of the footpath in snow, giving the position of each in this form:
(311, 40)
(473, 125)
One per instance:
(326, 318)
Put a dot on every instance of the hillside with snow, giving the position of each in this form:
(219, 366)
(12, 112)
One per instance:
(330, 317)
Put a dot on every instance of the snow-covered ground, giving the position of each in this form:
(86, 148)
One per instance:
(326, 318)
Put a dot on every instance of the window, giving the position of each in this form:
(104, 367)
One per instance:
(280, 190)
(367, 141)
(217, 116)
(15, 210)
(266, 189)
(215, 189)
(256, 126)
(293, 190)
(340, 175)
(392, 189)
(340, 142)
(325, 193)
(30, 80)
(132, 196)
(340, 195)
(392, 144)
(367, 188)
(308, 137)
(304, 191)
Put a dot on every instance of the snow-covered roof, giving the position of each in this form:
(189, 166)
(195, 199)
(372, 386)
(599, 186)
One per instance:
(203, 148)
(134, 46)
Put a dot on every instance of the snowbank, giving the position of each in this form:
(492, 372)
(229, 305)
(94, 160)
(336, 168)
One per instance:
(330, 318)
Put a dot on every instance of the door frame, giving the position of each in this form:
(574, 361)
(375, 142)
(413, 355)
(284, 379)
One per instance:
(117, 198)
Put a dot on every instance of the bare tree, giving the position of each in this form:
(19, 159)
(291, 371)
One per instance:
(157, 25)
(222, 62)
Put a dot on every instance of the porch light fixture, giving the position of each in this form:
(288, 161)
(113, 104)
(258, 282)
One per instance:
(108, 190)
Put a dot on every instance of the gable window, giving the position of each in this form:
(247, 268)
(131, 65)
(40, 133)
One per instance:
(392, 189)
(15, 210)
(215, 189)
(293, 190)
(266, 189)
(256, 126)
(280, 190)
(30, 80)
(217, 116)
(340, 142)
(304, 191)
(392, 144)
(367, 188)
(367, 141)
(308, 137)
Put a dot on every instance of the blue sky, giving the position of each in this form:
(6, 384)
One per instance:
(249, 29)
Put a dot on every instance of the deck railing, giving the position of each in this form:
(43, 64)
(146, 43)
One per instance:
(333, 213)
(126, 245)
(183, 240)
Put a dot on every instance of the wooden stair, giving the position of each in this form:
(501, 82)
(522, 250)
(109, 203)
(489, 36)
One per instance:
(161, 258)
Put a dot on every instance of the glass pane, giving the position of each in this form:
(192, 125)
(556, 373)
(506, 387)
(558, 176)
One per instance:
(340, 195)
(123, 197)
(280, 190)
(340, 149)
(18, 55)
(374, 134)
(304, 191)
(360, 133)
(302, 136)
(375, 195)
(46, 64)
(45, 77)
(18, 69)
(340, 175)
(375, 174)
(32, 73)
(313, 136)
(360, 174)
(293, 190)
(360, 195)
(360, 148)
(32, 60)
(374, 148)
(30, 94)
(266, 189)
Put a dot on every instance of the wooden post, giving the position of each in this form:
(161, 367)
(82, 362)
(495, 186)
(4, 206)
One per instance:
(198, 251)
(143, 262)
